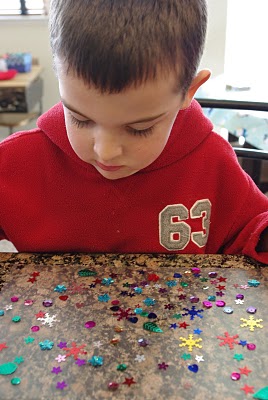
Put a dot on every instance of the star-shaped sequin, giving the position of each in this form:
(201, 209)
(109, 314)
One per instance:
(238, 357)
(56, 370)
(29, 339)
(248, 389)
(199, 358)
(3, 346)
(61, 385)
(129, 381)
(163, 365)
(245, 371)
(80, 362)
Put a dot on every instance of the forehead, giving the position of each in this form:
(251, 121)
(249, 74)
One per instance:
(153, 96)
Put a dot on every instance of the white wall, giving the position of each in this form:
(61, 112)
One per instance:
(31, 34)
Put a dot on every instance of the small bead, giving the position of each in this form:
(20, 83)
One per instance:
(251, 346)
(251, 310)
(220, 303)
(228, 310)
(207, 304)
(235, 376)
(239, 296)
(14, 299)
(47, 303)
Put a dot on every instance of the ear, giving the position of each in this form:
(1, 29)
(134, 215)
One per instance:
(201, 77)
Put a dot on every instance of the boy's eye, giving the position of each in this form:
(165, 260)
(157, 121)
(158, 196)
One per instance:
(132, 131)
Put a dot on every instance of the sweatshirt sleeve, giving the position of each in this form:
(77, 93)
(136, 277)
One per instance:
(253, 219)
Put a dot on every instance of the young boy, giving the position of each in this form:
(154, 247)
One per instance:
(127, 162)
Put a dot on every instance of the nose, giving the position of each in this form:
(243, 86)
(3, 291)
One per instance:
(107, 147)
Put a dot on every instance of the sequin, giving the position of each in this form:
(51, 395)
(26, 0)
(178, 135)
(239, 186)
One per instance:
(193, 368)
(235, 376)
(121, 367)
(251, 310)
(152, 315)
(17, 318)
(211, 298)
(220, 303)
(196, 270)
(239, 296)
(35, 328)
(47, 303)
(86, 272)
(253, 282)
(207, 304)
(28, 302)
(251, 346)
(143, 342)
(113, 386)
(15, 381)
(90, 324)
(2, 312)
(46, 345)
(212, 274)
(96, 361)
(115, 302)
(7, 368)
(228, 310)
(194, 299)
(14, 299)
(134, 320)
(152, 327)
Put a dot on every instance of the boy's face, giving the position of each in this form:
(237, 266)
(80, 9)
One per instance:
(119, 134)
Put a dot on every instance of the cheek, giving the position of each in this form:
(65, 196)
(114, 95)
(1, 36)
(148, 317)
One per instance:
(77, 140)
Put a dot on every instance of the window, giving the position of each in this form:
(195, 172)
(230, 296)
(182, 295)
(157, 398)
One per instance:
(21, 7)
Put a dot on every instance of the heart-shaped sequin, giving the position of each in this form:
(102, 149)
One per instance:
(193, 368)
(63, 297)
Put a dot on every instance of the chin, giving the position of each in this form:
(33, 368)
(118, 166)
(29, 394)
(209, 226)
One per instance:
(115, 174)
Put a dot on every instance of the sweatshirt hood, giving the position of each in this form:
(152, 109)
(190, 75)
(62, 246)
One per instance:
(190, 128)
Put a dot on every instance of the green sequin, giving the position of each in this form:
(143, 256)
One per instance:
(7, 368)
(17, 318)
(15, 381)
(121, 367)
(152, 327)
(262, 394)
(87, 272)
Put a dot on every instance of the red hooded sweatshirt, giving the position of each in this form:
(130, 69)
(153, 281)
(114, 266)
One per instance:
(194, 198)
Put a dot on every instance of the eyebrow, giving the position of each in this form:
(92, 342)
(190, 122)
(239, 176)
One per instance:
(129, 123)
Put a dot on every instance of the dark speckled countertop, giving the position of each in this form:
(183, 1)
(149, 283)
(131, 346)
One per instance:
(118, 302)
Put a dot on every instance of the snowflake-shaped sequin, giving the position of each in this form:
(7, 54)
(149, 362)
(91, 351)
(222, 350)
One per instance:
(190, 342)
(104, 298)
(239, 301)
(149, 301)
(74, 350)
(228, 340)
(60, 288)
(121, 313)
(251, 323)
(140, 357)
(193, 312)
(48, 319)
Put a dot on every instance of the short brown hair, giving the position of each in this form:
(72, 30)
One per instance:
(113, 44)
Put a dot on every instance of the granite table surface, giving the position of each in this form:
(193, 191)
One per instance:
(111, 326)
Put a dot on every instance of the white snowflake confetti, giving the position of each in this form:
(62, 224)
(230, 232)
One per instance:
(239, 301)
(97, 344)
(48, 319)
(8, 307)
(140, 357)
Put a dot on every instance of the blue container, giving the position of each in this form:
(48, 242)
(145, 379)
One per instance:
(22, 62)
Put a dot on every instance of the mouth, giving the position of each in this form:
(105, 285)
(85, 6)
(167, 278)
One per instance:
(108, 167)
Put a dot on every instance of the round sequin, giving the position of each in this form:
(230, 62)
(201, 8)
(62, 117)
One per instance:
(212, 274)
(90, 324)
(47, 303)
(251, 310)
(14, 299)
(143, 342)
(228, 310)
(207, 304)
(28, 302)
(2, 312)
(194, 299)
(15, 381)
(113, 386)
(220, 303)
(251, 346)
(152, 315)
(196, 270)
(115, 302)
(239, 296)
(35, 328)
(235, 376)
(17, 318)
